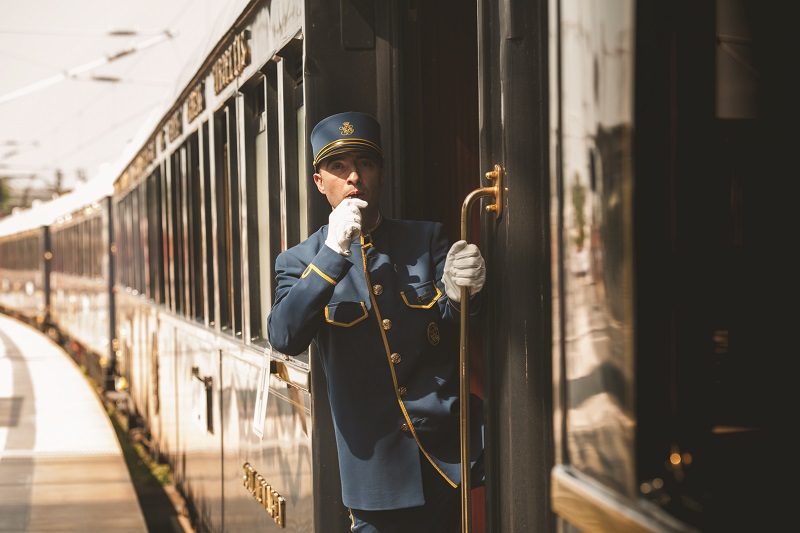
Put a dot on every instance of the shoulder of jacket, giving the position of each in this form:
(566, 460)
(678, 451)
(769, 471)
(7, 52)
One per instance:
(309, 247)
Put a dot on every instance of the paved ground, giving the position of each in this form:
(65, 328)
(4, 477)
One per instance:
(61, 466)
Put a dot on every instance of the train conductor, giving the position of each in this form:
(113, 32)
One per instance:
(380, 297)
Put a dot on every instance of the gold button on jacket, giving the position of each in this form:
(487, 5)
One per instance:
(387, 324)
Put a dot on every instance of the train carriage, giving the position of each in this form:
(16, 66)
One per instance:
(199, 220)
(23, 279)
(628, 336)
(81, 296)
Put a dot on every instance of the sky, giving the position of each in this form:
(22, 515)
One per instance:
(57, 113)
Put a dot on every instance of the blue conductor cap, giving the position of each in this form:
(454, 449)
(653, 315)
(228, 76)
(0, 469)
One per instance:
(345, 132)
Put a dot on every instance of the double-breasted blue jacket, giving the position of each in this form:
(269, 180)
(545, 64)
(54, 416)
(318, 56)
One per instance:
(388, 340)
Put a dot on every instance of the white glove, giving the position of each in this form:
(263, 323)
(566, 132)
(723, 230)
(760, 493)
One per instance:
(464, 267)
(344, 225)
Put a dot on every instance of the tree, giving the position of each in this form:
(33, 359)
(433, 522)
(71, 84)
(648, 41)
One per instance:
(5, 194)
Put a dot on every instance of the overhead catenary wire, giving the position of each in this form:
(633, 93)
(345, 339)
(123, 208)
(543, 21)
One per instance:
(80, 69)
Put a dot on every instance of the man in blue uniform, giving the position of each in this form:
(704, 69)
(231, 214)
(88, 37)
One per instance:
(381, 299)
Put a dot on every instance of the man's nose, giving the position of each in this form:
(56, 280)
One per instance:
(353, 177)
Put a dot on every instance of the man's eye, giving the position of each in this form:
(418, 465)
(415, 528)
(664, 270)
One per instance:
(369, 163)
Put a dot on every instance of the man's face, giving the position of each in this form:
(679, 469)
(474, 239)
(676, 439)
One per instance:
(350, 175)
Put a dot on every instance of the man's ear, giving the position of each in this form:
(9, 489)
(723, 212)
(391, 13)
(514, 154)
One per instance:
(319, 183)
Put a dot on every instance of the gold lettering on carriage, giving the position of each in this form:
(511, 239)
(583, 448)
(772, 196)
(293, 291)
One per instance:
(138, 166)
(272, 502)
(232, 62)
(195, 102)
(174, 126)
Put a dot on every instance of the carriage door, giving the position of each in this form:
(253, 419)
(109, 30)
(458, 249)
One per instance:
(513, 125)
(472, 96)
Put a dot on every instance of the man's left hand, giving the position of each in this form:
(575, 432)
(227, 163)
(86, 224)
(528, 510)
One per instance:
(464, 267)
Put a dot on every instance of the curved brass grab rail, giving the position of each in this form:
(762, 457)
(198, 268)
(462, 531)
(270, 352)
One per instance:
(496, 190)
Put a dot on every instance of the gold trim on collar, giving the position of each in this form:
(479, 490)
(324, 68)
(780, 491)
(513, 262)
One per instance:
(313, 268)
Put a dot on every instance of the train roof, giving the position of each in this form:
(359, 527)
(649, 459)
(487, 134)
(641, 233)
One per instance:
(46, 213)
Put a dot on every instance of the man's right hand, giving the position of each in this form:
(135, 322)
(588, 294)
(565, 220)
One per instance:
(344, 225)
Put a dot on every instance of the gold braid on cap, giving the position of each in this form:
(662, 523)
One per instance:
(353, 142)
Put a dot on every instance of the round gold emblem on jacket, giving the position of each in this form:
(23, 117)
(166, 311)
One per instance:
(433, 333)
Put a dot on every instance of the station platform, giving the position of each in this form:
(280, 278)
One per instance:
(61, 465)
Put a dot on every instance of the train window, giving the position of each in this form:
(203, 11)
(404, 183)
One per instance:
(209, 227)
(136, 241)
(257, 163)
(133, 240)
(176, 201)
(158, 233)
(119, 237)
(153, 244)
(94, 227)
(99, 252)
(76, 244)
(293, 176)
(86, 249)
(126, 234)
(193, 200)
(90, 247)
(302, 167)
(228, 228)
(166, 233)
(80, 228)
(81, 256)
(185, 220)
(89, 244)
(141, 231)
(92, 258)
(271, 197)
(595, 180)
(97, 268)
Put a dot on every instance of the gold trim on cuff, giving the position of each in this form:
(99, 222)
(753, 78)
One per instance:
(313, 268)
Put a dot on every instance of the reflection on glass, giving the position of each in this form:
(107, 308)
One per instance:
(264, 217)
(302, 175)
(596, 110)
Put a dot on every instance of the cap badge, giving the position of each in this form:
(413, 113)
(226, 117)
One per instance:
(433, 333)
(346, 128)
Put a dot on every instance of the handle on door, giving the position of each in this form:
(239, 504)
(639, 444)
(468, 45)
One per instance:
(496, 191)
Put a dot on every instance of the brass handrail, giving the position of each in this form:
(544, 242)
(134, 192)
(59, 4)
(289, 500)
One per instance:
(496, 190)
